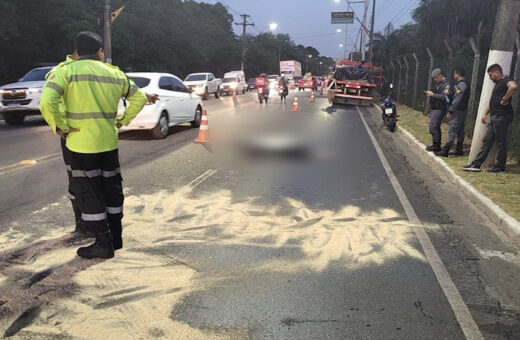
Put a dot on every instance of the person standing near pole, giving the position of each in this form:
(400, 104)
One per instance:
(439, 99)
(457, 112)
(501, 118)
(90, 91)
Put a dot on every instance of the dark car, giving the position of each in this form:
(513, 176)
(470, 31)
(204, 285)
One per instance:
(251, 84)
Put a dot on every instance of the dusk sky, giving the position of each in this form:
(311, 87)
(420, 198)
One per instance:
(308, 21)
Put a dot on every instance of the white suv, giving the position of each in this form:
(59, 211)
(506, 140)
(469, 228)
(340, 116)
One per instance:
(22, 98)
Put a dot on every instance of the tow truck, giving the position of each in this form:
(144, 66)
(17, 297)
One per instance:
(354, 84)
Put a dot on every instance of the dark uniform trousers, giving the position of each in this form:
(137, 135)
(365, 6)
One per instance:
(435, 125)
(66, 153)
(97, 186)
(497, 130)
(456, 127)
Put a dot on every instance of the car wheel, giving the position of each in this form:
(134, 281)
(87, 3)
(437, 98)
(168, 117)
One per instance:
(160, 131)
(217, 94)
(195, 123)
(206, 94)
(14, 118)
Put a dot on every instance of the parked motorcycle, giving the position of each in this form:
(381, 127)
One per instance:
(263, 95)
(389, 112)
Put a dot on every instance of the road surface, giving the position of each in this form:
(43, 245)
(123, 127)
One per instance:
(292, 225)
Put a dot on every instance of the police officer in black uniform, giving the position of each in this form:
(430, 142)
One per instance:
(501, 118)
(457, 112)
(439, 100)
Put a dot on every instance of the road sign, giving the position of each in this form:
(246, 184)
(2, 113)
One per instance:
(342, 17)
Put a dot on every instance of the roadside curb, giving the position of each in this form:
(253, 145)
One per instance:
(509, 225)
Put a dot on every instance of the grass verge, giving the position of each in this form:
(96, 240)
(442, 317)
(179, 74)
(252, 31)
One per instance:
(502, 188)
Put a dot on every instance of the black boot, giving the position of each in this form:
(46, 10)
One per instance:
(458, 150)
(445, 151)
(102, 248)
(436, 146)
(117, 240)
(114, 224)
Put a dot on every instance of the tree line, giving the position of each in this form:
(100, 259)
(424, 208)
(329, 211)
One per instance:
(174, 36)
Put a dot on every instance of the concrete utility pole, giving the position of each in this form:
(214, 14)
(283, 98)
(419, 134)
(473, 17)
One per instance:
(407, 67)
(372, 30)
(107, 41)
(244, 25)
(363, 34)
(399, 80)
(501, 52)
(474, 78)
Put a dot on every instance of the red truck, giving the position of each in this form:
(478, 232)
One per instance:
(354, 84)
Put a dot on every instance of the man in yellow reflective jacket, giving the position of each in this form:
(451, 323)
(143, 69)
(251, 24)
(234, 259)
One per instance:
(89, 91)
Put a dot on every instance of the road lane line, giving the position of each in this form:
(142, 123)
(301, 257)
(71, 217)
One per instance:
(18, 166)
(461, 311)
(197, 181)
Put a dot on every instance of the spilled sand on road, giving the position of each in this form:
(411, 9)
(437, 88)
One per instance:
(132, 295)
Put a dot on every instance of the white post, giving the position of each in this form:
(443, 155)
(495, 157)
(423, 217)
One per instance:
(501, 52)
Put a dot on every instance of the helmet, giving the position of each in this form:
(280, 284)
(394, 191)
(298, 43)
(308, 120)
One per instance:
(387, 100)
(263, 75)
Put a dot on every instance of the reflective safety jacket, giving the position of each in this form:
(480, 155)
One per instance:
(89, 91)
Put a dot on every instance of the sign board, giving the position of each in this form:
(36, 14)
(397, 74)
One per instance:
(342, 17)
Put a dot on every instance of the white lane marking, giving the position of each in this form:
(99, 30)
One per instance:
(197, 181)
(463, 315)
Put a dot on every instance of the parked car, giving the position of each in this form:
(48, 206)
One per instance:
(23, 98)
(251, 84)
(177, 104)
(234, 81)
(204, 84)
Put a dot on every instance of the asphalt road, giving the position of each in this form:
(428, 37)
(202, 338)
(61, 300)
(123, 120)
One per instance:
(290, 226)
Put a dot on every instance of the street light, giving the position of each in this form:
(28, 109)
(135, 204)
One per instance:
(339, 30)
(273, 26)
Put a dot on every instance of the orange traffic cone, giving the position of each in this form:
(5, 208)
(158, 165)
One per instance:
(312, 97)
(321, 89)
(295, 104)
(203, 129)
(234, 94)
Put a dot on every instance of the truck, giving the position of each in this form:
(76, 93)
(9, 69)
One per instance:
(354, 86)
(290, 69)
(23, 98)
(204, 84)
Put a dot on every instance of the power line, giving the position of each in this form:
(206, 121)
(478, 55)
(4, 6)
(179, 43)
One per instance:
(403, 12)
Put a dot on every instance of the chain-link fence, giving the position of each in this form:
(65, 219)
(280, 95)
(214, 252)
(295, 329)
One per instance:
(411, 75)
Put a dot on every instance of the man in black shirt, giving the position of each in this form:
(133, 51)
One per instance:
(501, 117)
(439, 99)
(457, 114)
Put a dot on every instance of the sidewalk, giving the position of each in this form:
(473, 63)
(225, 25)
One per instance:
(502, 189)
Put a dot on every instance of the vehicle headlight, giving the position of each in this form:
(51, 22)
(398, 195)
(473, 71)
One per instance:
(233, 85)
(2, 91)
(200, 85)
(35, 90)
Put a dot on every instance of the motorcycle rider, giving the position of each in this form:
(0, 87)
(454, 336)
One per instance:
(262, 82)
(282, 83)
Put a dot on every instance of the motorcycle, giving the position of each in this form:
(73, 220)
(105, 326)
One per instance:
(283, 91)
(263, 95)
(389, 112)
